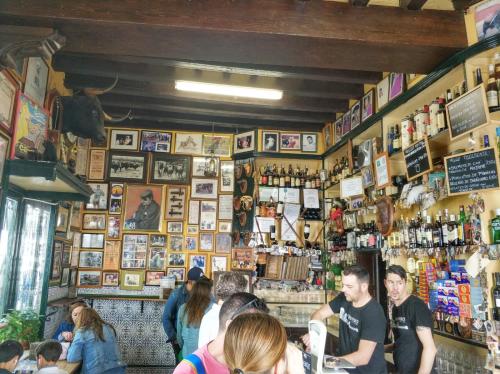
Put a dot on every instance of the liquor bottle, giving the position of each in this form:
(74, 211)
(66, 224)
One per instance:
(495, 228)
(412, 235)
(496, 61)
(282, 177)
(437, 233)
(441, 116)
(449, 95)
(390, 139)
(452, 231)
(288, 176)
(486, 141)
(429, 230)
(479, 77)
(396, 142)
(445, 227)
(461, 226)
(491, 88)
(307, 230)
(272, 235)
(496, 297)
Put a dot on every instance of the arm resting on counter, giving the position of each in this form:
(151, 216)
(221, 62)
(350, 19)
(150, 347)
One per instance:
(362, 356)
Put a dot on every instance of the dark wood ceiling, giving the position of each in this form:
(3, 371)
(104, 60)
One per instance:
(320, 53)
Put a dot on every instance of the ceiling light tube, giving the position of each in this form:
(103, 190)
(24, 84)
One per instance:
(229, 90)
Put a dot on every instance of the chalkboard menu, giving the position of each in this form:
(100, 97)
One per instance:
(472, 171)
(468, 112)
(418, 159)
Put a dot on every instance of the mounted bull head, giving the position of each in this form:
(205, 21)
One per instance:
(83, 114)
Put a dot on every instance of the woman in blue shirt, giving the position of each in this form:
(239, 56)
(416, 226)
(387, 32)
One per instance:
(64, 332)
(95, 344)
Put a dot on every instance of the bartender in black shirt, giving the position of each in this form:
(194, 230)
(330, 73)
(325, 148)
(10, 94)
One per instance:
(362, 323)
(411, 324)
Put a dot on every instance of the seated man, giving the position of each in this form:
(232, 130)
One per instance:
(10, 353)
(47, 355)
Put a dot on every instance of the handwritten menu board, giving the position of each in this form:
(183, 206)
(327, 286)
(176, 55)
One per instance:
(418, 159)
(472, 171)
(468, 112)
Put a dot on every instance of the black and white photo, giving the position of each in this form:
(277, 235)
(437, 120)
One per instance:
(90, 259)
(129, 166)
(309, 142)
(170, 169)
(270, 141)
(99, 199)
(126, 140)
(204, 188)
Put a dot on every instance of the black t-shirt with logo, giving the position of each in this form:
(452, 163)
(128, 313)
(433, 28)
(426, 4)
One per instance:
(411, 313)
(368, 323)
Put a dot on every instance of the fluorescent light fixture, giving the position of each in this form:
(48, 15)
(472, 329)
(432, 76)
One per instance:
(229, 90)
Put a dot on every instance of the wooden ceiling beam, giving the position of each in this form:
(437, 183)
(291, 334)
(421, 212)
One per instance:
(318, 34)
(154, 124)
(412, 4)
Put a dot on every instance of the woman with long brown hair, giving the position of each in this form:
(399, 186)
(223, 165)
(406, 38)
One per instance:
(190, 315)
(95, 344)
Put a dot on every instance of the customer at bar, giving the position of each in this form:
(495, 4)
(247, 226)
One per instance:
(47, 355)
(10, 353)
(190, 315)
(64, 332)
(411, 323)
(177, 298)
(228, 284)
(362, 323)
(95, 345)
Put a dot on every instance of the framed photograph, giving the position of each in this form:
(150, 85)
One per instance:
(62, 219)
(194, 212)
(204, 188)
(112, 251)
(176, 202)
(156, 141)
(208, 215)
(177, 259)
(244, 142)
(368, 103)
(97, 164)
(309, 142)
(338, 127)
(200, 167)
(247, 274)
(191, 243)
(99, 199)
(56, 265)
(143, 207)
(270, 141)
(274, 266)
(175, 242)
(382, 170)
(176, 227)
(125, 140)
(116, 198)
(217, 145)
(346, 123)
(8, 89)
(200, 261)
(224, 226)
(170, 169)
(131, 280)
(94, 241)
(188, 143)
(4, 149)
(355, 114)
(114, 226)
(218, 263)
(134, 251)
(65, 277)
(192, 229)
(227, 176)
(382, 92)
(153, 277)
(72, 277)
(328, 135)
(289, 142)
(223, 243)
(77, 239)
(90, 259)
(110, 278)
(397, 81)
(206, 241)
(156, 260)
(128, 166)
(179, 273)
(66, 255)
(226, 207)
(88, 278)
(242, 258)
(158, 240)
(37, 74)
(485, 16)
(367, 174)
(94, 221)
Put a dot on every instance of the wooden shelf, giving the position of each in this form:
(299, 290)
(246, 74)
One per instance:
(459, 339)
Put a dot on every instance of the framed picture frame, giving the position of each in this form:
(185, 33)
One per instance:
(367, 105)
(176, 202)
(125, 140)
(328, 135)
(290, 141)
(91, 259)
(248, 275)
(208, 215)
(92, 240)
(206, 242)
(8, 88)
(4, 149)
(127, 166)
(192, 229)
(191, 243)
(356, 114)
(188, 143)
(218, 263)
(204, 188)
(382, 170)
(65, 277)
(116, 198)
(77, 239)
(94, 221)
(56, 264)
(37, 74)
(225, 207)
(194, 212)
(224, 226)
(244, 142)
(175, 242)
(156, 258)
(66, 255)
(153, 277)
(99, 199)
(157, 240)
(114, 227)
(367, 175)
(73, 272)
(142, 210)
(132, 280)
(199, 261)
(179, 273)
(199, 168)
(223, 243)
(170, 169)
(242, 259)
(338, 127)
(112, 255)
(346, 123)
(156, 141)
(396, 85)
(89, 279)
(110, 278)
(134, 251)
(177, 259)
(226, 176)
(274, 264)
(76, 219)
(270, 141)
(62, 219)
(97, 164)
(382, 93)
(217, 145)
(175, 227)
(82, 153)
(309, 142)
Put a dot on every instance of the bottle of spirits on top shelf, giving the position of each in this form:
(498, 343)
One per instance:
(479, 77)
(492, 89)
(495, 228)
(396, 142)
(496, 296)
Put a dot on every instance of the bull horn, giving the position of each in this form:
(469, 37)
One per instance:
(99, 91)
(110, 119)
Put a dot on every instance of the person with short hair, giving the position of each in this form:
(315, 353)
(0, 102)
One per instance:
(411, 323)
(228, 284)
(10, 353)
(64, 332)
(47, 355)
(362, 323)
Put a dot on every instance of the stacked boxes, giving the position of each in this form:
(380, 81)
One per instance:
(426, 276)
